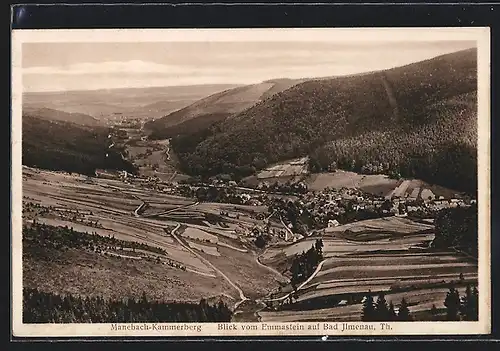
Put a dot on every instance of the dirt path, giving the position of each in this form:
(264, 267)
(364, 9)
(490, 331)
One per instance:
(311, 277)
(392, 98)
(171, 179)
(171, 210)
(271, 269)
(289, 231)
(139, 208)
(167, 152)
(243, 298)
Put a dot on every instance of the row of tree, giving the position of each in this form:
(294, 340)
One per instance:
(381, 311)
(457, 307)
(48, 236)
(45, 307)
(304, 264)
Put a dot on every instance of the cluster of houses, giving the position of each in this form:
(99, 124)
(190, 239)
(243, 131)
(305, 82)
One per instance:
(340, 201)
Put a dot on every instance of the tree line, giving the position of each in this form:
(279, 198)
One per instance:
(48, 236)
(457, 307)
(457, 228)
(304, 264)
(45, 307)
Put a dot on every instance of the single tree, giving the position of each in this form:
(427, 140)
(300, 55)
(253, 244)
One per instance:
(469, 308)
(475, 304)
(452, 303)
(368, 308)
(381, 308)
(404, 311)
(391, 313)
(434, 312)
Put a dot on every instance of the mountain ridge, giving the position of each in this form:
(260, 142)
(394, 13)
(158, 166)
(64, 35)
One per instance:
(300, 120)
(216, 107)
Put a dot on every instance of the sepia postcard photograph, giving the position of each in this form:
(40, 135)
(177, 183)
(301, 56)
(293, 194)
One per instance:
(250, 182)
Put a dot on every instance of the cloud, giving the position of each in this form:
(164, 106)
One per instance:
(246, 65)
(111, 67)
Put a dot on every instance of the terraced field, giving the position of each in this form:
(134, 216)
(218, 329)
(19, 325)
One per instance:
(213, 255)
(295, 167)
(106, 207)
(398, 265)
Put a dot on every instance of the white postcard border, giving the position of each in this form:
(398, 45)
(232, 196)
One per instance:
(480, 34)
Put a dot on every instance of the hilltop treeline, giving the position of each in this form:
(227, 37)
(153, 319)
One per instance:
(47, 236)
(44, 307)
(64, 146)
(418, 120)
(457, 228)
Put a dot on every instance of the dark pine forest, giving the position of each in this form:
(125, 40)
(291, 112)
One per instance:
(417, 121)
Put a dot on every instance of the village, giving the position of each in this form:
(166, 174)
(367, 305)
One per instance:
(299, 211)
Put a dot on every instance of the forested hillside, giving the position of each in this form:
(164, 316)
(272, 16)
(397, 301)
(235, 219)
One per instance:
(417, 120)
(43, 307)
(64, 146)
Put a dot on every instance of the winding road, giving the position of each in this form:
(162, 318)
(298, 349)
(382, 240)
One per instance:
(271, 269)
(311, 277)
(169, 211)
(241, 294)
(243, 298)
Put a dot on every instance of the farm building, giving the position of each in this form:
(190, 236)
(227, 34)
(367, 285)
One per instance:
(254, 202)
(427, 194)
(333, 223)
(101, 173)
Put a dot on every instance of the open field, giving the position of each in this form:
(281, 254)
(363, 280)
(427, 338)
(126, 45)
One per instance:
(397, 265)
(211, 250)
(84, 273)
(389, 224)
(390, 233)
(377, 184)
(296, 167)
(242, 268)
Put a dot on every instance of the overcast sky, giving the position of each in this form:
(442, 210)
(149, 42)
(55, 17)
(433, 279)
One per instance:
(87, 66)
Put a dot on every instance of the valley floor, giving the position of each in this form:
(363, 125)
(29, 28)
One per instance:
(190, 252)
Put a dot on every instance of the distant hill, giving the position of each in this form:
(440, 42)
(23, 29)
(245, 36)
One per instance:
(215, 108)
(147, 103)
(418, 120)
(56, 115)
(64, 146)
